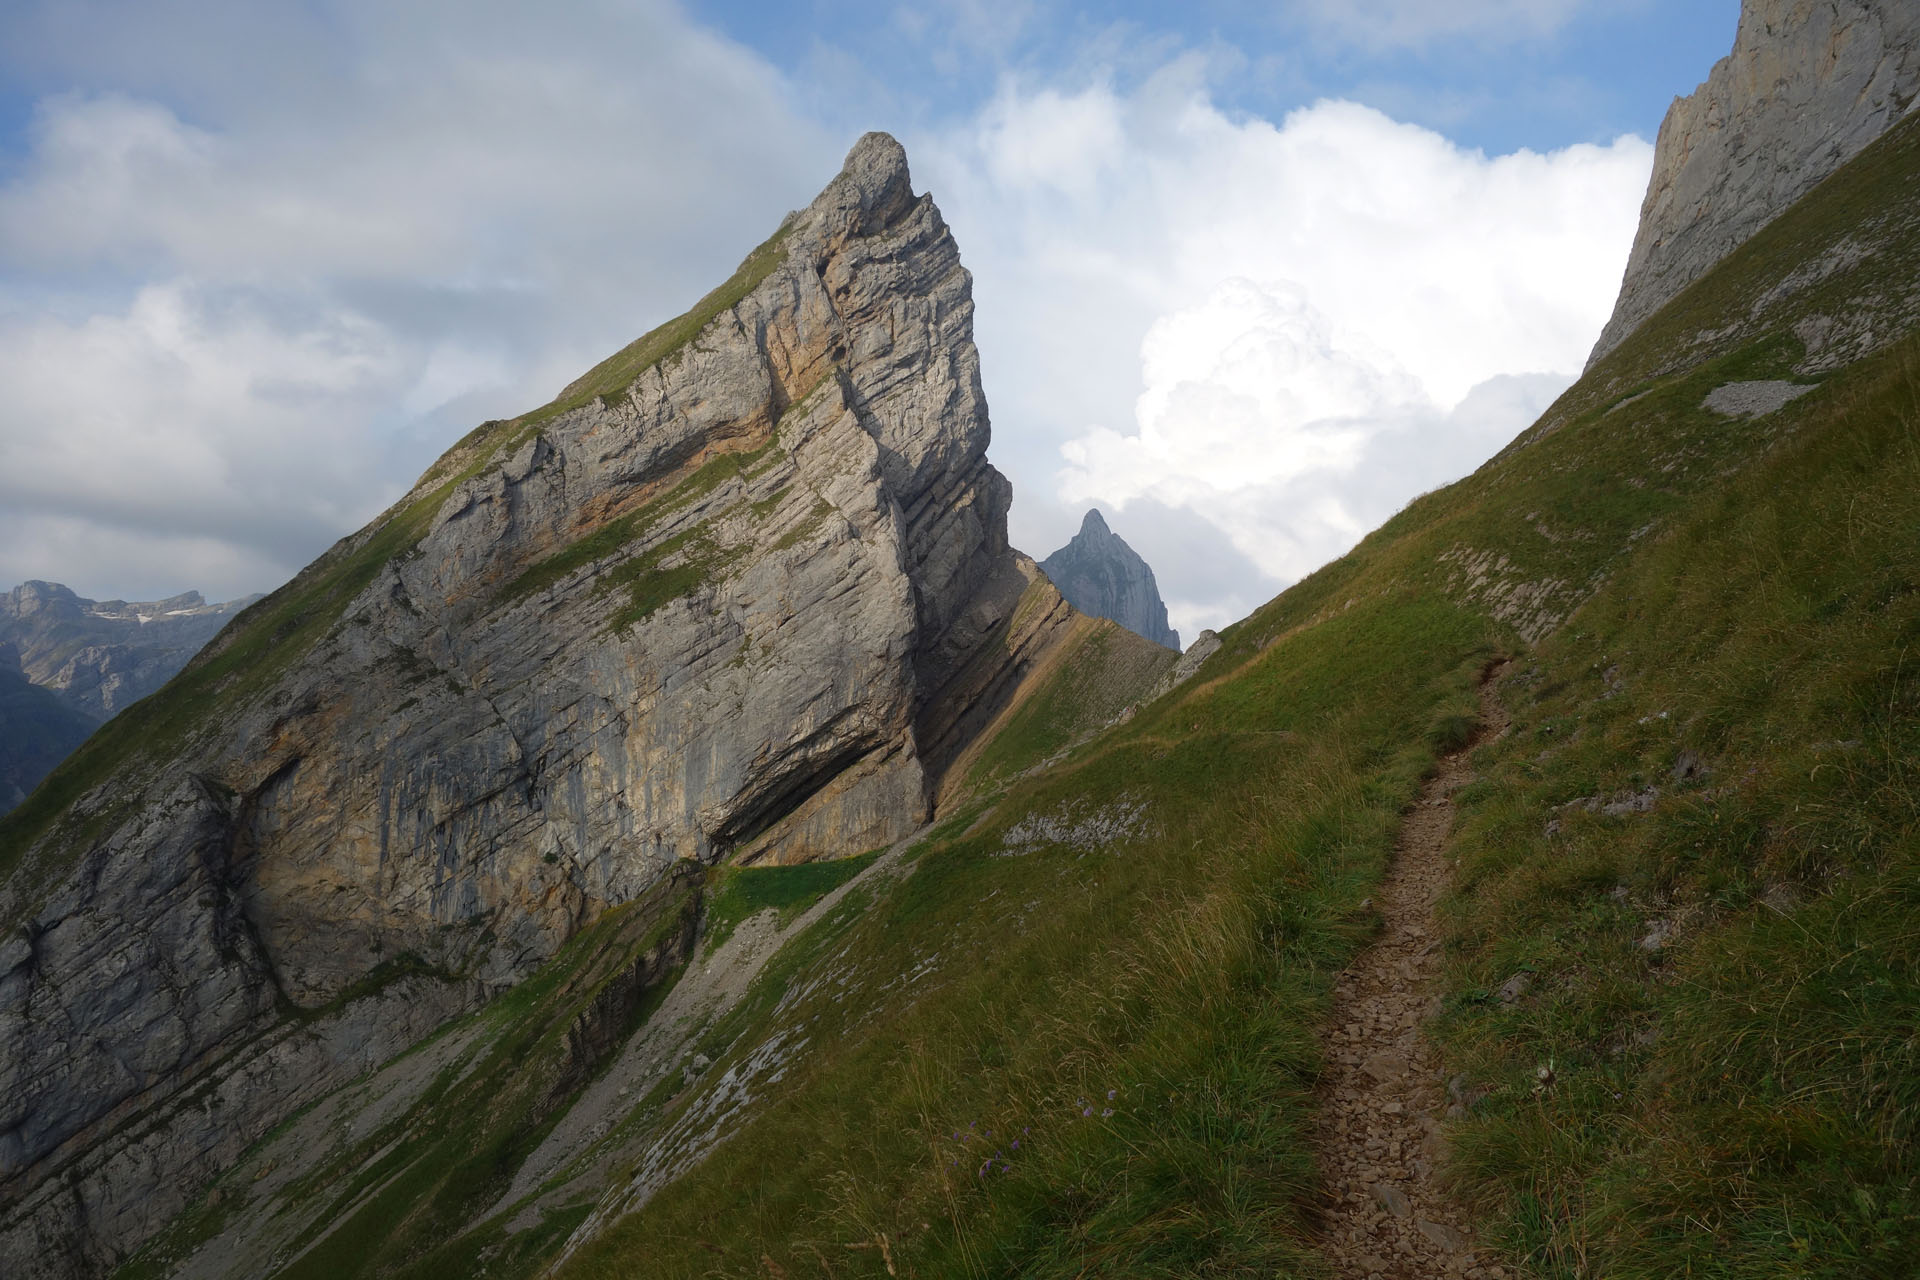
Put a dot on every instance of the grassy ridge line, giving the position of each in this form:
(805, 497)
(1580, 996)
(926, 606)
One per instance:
(1571, 508)
(1727, 984)
(272, 634)
(1084, 682)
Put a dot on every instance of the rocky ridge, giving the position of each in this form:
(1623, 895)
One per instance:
(1808, 85)
(1103, 577)
(740, 592)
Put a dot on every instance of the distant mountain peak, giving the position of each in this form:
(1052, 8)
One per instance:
(1101, 575)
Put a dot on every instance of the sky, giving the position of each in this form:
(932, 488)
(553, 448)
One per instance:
(1248, 276)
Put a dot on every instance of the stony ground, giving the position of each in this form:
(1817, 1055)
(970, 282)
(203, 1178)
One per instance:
(1385, 1095)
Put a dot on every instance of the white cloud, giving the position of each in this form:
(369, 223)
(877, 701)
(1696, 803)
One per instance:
(258, 268)
(1284, 330)
(245, 307)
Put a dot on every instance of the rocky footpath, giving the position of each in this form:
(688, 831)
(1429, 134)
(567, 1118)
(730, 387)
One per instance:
(101, 655)
(1103, 577)
(741, 592)
(1808, 85)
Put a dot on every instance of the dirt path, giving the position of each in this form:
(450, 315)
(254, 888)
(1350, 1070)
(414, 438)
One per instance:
(1385, 1095)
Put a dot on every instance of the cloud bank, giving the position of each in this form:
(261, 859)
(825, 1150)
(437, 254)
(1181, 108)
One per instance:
(258, 267)
(1302, 324)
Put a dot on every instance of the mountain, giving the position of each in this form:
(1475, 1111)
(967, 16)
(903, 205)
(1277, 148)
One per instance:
(1559, 840)
(1100, 575)
(741, 594)
(1809, 84)
(98, 655)
(37, 730)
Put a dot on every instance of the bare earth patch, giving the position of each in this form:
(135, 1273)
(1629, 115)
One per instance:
(1385, 1096)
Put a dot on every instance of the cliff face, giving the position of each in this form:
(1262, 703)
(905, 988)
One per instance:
(1102, 576)
(99, 656)
(1808, 84)
(738, 592)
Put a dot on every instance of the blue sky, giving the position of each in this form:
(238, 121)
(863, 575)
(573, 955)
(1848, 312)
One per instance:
(1570, 73)
(1249, 276)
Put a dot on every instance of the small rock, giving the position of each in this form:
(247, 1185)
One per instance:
(1392, 1199)
(1657, 936)
(1640, 802)
(1687, 765)
(1384, 1067)
(1513, 988)
(1441, 1234)
(701, 1062)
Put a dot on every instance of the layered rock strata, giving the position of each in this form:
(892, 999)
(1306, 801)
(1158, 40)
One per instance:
(1101, 575)
(1808, 85)
(738, 592)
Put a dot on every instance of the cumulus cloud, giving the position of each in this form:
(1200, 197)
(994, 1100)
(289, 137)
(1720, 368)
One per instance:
(258, 266)
(1303, 324)
(243, 310)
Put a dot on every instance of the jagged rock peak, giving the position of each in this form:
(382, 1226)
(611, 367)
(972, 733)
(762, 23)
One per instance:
(1101, 575)
(1808, 85)
(743, 591)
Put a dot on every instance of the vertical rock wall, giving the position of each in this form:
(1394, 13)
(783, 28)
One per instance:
(1808, 84)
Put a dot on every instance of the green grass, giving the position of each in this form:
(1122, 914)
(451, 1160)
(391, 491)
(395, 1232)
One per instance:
(397, 1198)
(1726, 610)
(738, 892)
(1093, 683)
(1185, 972)
(1766, 1129)
(1740, 1101)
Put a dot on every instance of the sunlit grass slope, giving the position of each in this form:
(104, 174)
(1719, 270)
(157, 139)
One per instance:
(1080, 1036)
(1755, 582)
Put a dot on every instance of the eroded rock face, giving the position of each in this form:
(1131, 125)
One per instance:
(717, 613)
(1808, 85)
(1100, 575)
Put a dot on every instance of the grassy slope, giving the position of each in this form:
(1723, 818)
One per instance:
(1176, 978)
(1186, 971)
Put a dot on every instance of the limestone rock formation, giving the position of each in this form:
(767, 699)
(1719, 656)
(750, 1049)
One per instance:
(1809, 84)
(101, 655)
(740, 592)
(1101, 575)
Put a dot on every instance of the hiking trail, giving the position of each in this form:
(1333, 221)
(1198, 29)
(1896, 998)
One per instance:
(1385, 1095)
